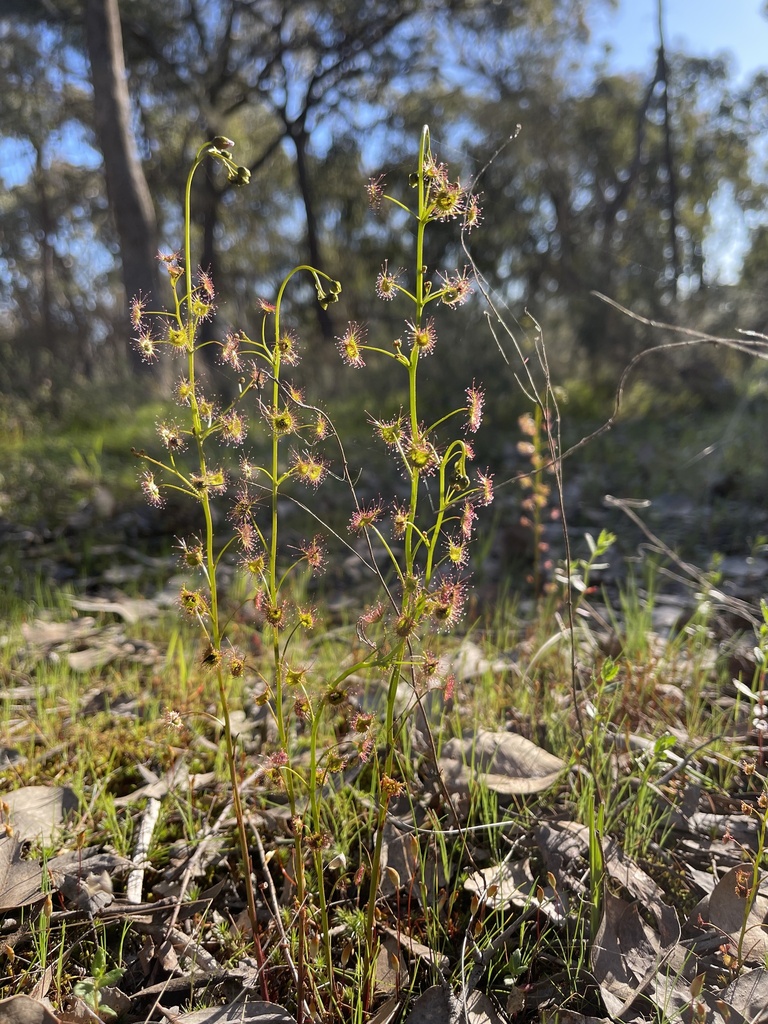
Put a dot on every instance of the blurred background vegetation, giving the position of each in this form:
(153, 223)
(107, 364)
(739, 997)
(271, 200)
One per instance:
(612, 182)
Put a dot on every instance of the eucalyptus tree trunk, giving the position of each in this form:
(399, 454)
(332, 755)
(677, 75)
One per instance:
(127, 188)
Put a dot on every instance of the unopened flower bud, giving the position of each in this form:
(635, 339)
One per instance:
(240, 176)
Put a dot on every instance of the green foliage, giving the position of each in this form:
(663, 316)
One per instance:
(90, 989)
(584, 194)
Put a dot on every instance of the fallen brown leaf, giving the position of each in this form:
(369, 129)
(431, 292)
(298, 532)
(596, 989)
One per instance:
(508, 764)
(23, 1010)
(724, 910)
(20, 880)
(37, 812)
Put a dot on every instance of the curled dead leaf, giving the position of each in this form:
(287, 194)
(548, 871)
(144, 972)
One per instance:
(508, 764)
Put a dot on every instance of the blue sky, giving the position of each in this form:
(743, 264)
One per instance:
(701, 27)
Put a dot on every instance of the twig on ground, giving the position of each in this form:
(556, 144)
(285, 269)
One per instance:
(140, 858)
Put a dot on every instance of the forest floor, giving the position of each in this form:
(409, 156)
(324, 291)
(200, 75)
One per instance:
(582, 837)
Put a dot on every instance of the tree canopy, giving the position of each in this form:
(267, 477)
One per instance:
(611, 181)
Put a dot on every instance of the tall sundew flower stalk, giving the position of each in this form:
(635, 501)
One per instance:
(182, 326)
(430, 590)
(192, 305)
(306, 468)
(435, 538)
(326, 292)
(282, 409)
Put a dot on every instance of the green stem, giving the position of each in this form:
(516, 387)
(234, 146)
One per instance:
(754, 886)
(211, 565)
(414, 359)
(242, 834)
(370, 915)
(412, 541)
(316, 825)
(444, 505)
(274, 594)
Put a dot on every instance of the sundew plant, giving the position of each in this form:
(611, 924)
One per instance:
(425, 533)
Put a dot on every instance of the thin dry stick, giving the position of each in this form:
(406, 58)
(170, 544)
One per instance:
(683, 764)
(483, 957)
(546, 403)
(183, 945)
(141, 852)
(741, 608)
(751, 343)
(756, 346)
